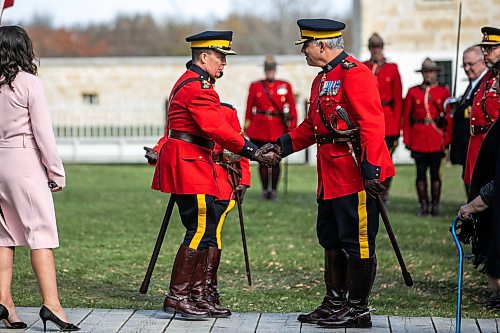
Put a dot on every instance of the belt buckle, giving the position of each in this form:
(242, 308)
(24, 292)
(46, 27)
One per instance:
(427, 121)
(472, 130)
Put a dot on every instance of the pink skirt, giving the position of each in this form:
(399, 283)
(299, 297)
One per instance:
(28, 216)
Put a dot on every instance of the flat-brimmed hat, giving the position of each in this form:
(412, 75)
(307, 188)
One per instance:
(491, 36)
(270, 63)
(216, 40)
(375, 40)
(429, 65)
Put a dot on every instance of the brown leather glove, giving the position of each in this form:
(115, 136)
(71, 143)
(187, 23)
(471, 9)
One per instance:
(267, 155)
(151, 155)
(241, 189)
(373, 187)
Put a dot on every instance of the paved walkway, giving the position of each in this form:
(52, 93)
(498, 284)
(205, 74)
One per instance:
(151, 321)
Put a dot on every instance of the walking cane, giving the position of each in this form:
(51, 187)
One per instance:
(234, 179)
(394, 243)
(460, 274)
(159, 241)
(285, 174)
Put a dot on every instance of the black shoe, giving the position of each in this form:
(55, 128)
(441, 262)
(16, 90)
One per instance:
(4, 317)
(46, 314)
(349, 316)
(327, 308)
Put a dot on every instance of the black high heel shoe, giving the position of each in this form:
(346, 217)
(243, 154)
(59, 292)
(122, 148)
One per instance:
(46, 314)
(4, 317)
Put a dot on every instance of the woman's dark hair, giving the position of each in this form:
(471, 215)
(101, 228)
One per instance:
(16, 54)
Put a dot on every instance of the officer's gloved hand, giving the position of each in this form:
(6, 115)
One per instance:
(267, 155)
(241, 189)
(373, 187)
(151, 155)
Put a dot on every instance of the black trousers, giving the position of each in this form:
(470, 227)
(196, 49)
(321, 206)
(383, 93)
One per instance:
(350, 223)
(198, 216)
(431, 161)
(222, 208)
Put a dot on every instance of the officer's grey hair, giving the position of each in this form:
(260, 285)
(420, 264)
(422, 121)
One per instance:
(333, 43)
(196, 53)
(475, 49)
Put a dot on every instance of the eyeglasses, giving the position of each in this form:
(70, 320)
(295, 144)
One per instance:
(489, 48)
(471, 64)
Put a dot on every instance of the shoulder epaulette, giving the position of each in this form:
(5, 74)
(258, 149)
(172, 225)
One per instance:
(205, 84)
(228, 105)
(347, 64)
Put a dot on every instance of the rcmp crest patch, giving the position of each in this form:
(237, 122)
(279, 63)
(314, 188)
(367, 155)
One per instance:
(347, 64)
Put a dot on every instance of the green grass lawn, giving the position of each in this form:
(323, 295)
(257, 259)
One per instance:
(108, 220)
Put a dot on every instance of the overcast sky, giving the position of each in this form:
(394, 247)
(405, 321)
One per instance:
(72, 12)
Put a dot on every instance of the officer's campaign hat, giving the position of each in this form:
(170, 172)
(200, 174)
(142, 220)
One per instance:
(491, 36)
(217, 40)
(269, 63)
(375, 40)
(319, 29)
(429, 65)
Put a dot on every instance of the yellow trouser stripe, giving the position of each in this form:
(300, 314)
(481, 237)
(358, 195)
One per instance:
(221, 223)
(202, 221)
(364, 250)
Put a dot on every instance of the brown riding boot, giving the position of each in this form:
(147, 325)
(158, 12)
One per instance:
(435, 196)
(199, 291)
(181, 281)
(336, 286)
(422, 198)
(355, 312)
(213, 260)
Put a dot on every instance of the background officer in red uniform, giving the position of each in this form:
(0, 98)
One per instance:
(427, 132)
(391, 95)
(344, 99)
(270, 113)
(485, 107)
(185, 168)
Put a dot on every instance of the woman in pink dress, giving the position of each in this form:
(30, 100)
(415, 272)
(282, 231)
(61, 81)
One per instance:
(30, 170)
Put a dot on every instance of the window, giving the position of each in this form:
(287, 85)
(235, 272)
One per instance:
(90, 98)
(445, 75)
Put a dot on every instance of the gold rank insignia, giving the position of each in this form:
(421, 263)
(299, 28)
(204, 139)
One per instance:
(347, 64)
(205, 84)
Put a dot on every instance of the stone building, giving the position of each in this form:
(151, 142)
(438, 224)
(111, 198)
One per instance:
(106, 109)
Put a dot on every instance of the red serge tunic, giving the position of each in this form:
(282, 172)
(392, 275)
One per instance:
(391, 95)
(344, 82)
(264, 114)
(485, 105)
(187, 168)
(420, 132)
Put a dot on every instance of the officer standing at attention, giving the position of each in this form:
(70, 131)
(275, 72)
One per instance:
(185, 168)
(270, 113)
(391, 96)
(427, 133)
(475, 69)
(346, 120)
(485, 107)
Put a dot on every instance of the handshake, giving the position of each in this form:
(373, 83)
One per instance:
(268, 155)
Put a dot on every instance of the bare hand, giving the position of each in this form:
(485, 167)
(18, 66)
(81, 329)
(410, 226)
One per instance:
(151, 155)
(475, 206)
(373, 187)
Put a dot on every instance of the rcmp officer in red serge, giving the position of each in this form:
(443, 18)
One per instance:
(427, 132)
(485, 106)
(270, 113)
(185, 168)
(346, 120)
(224, 161)
(391, 95)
